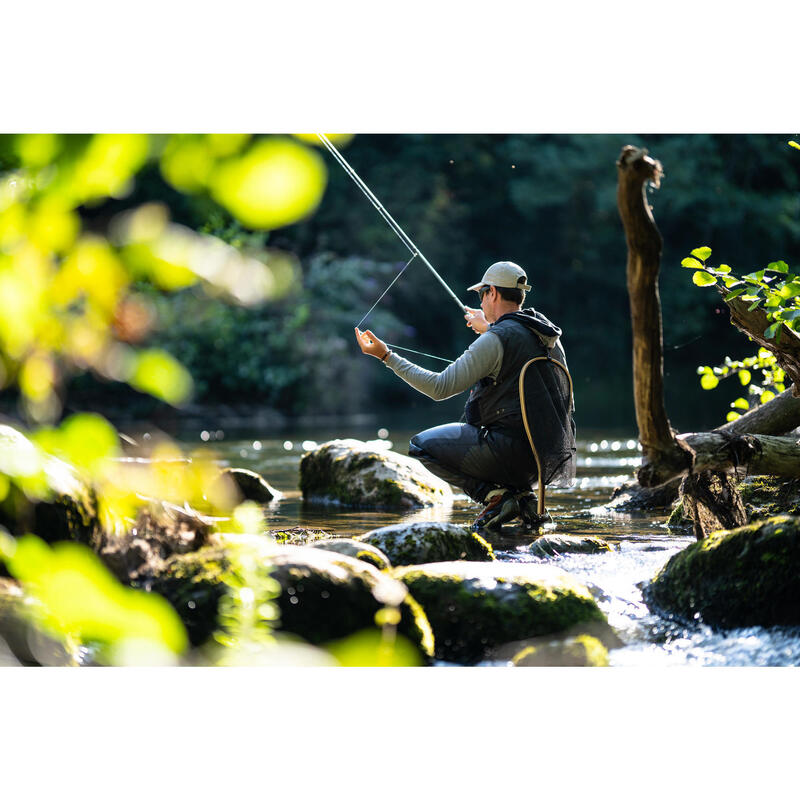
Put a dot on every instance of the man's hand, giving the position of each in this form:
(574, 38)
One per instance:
(371, 344)
(476, 320)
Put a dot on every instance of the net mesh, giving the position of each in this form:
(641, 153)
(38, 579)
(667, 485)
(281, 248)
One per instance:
(547, 394)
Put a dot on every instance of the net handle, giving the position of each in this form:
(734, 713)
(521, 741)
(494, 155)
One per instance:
(525, 419)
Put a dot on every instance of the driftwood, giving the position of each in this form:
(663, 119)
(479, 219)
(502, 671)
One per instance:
(635, 170)
(780, 415)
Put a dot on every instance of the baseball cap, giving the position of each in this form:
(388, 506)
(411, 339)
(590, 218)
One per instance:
(503, 273)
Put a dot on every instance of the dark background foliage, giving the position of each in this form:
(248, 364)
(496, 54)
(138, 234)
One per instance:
(547, 202)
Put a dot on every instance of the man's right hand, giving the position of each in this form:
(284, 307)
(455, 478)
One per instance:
(476, 320)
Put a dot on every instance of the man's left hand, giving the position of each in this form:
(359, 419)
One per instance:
(371, 344)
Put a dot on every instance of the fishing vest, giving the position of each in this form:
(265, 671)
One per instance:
(495, 402)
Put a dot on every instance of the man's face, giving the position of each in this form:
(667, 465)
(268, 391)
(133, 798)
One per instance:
(487, 294)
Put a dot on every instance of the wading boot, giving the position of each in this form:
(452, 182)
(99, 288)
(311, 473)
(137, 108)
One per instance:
(529, 511)
(501, 508)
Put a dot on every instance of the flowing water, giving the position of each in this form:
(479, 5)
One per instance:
(642, 542)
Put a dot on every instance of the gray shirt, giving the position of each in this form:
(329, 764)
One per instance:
(482, 358)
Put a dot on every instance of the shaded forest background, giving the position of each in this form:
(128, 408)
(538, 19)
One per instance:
(547, 202)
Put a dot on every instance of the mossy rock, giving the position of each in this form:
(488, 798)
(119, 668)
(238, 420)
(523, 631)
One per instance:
(768, 496)
(574, 651)
(426, 542)
(554, 544)
(678, 517)
(352, 473)
(251, 485)
(324, 596)
(474, 607)
(732, 579)
(355, 549)
(56, 506)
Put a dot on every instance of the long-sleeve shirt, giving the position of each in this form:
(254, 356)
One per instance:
(483, 358)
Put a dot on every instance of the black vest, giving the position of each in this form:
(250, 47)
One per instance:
(495, 403)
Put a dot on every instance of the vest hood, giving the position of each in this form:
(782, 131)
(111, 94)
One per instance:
(548, 332)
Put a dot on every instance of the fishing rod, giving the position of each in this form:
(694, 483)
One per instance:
(401, 234)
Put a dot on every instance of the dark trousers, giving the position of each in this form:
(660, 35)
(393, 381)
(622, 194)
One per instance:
(476, 460)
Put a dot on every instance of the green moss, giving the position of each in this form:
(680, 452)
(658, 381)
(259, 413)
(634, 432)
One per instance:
(470, 616)
(424, 542)
(747, 576)
(768, 496)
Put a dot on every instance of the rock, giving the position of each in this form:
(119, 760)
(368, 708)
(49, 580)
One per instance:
(739, 578)
(356, 474)
(678, 517)
(553, 544)
(475, 607)
(768, 496)
(251, 485)
(323, 596)
(631, 497)
(55, 504)
(425, 542)
(355, 549)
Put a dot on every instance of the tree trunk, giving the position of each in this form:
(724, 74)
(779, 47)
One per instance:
(635, 170)
(713, 502)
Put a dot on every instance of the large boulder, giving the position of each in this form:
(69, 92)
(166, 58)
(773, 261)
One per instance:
(353, 473)
(474, 607)
(323, 596)
(45, 496)
(739, 578)
(425, 542)
(355, 549)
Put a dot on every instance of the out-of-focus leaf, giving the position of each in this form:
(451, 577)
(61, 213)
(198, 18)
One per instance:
(369, 648)
(336, 139)
(159, 374)
(709, 381)
(275, 183)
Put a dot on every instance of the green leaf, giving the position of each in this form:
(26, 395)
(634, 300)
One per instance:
(754, 305)
(734, 293)
(794, 144)
(766, 396)
(723, 268)
(702, 253)
(770, 332)
(691, 263)
(744, 377)
(732, 415)
(702, 278)
(709, 381)
(778, 266)
(731, 282)
(159, 374)
(740, 402)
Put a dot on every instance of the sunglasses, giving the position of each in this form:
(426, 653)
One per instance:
(483, 291)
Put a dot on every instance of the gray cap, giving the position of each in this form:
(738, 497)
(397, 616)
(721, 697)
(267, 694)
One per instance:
(505, 274)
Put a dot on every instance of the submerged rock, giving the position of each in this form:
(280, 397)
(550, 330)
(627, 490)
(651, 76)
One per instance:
(554, 544)
(353, 473)
(323, 596)
(474, 607)
(739, 578)
(425, 542)
(355, 549)
(251, 485)
(56, 503)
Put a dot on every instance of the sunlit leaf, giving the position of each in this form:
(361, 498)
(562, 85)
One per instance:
(52, 226)
(770, 332)
(701, 278)
(88, 440)
(108, 164)
(37, 149)
(702, 253)
(159, 374)
(187, 162)
(709, 381)
(37, 376)
(794, 144)
(778, 266)
(735, 293)
(732, 415)
(744, 377)
(740, 402)
(223, 145)
(80, 598)
(277, 182)
(369, 649)
(336, 139)
(691, 263)
(723, 268)
(766, 396)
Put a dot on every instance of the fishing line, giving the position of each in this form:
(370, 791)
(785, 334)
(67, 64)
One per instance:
(358, 325)
(415, 251)
(418, 352)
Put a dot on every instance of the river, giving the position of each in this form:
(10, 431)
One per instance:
(642, 542)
